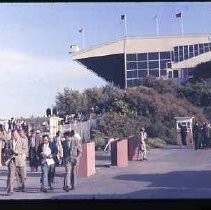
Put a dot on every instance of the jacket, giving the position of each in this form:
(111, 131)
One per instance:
(72, 150)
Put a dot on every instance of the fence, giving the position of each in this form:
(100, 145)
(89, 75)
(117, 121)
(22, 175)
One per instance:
(83, 128)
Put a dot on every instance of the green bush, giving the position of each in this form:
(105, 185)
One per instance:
(99, 140)
(155, 142)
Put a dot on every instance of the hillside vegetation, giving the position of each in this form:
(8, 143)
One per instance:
(153, 106)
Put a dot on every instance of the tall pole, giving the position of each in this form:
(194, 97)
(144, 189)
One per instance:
(81, 31)
(83, 39)
(157, 25)
(123, 17)
(182, 27)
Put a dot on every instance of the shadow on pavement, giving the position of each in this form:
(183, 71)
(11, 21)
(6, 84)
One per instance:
(177, 179)
(179, 184)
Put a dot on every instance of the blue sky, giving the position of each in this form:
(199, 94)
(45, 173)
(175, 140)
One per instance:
(35, 40)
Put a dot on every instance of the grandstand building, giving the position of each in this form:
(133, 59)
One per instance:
(126, 61)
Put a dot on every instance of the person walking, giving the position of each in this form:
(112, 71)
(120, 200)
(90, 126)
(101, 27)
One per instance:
(24, 137)
(47, 153)
(33, 146)
(72, 150)
(2, 142)
(15, 152)
(196, 135)
(183, 133)
(142, 154)
(58, 142)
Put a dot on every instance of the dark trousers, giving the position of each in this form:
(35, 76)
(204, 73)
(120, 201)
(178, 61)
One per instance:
(183, 137)
(47, 176)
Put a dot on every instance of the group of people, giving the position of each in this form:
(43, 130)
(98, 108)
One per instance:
(42, 151)
(202, 135)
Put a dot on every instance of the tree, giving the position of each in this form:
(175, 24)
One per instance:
(70, 102)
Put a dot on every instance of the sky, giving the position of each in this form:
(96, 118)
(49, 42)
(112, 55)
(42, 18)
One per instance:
(35, 38)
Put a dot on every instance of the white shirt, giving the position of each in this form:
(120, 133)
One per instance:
(46, 149)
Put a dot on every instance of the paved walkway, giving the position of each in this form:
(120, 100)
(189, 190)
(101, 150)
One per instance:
(169, 173)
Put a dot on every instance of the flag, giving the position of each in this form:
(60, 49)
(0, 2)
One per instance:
(80, 30)
(179, 15)
(122, 17)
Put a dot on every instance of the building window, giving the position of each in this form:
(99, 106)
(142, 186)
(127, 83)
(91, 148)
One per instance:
(154, 73)
(169, 65)
(206, 47)
(181, 53)
(210, 46)
(163, 72)
(176, 49)
(190, 54)
(131, 65)
(165, 55)
(142, 73)
(131, 57)
(201, 48)
(170, 74)
(129, 83)
(185, 73)
(176, 58)
(142, 65)
(172, 55)
(153, 64)
(190, 48)
(142, 56)
(186, 52)
(163, 64)
(196, 49)
(132, 82)
(132, 74)
(175, 74)
(153, 56)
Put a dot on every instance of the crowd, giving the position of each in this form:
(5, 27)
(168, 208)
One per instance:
(42, 151)
(202, 135)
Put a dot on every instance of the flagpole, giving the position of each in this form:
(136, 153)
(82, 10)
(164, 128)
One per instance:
(81, 31)
(182, 27)
(124, 48)
(83, 42)
(157, 25)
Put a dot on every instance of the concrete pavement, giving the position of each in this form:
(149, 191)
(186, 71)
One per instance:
(170, 172)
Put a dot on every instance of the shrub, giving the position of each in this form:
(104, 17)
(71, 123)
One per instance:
(155, 142)
(99, 140)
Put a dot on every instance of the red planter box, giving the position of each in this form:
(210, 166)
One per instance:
(133, 144)
(87, 162)
(119, 153)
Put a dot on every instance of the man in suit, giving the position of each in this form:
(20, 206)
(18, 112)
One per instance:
(34, 143)
(24, 137)
(72, 150)
(47, 152)
(2, 141)
(16, 149)
(183, 133)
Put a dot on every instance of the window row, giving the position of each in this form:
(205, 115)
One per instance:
(144, 73)
(163, 64)
(149, 56)
(188, 51)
